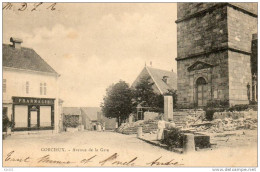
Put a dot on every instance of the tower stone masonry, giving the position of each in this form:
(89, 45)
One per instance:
(214, 44)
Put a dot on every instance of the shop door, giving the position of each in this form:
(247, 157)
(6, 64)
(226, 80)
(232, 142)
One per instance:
(33, 120)
(34, 117)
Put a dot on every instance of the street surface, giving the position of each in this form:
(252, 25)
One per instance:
(92, 148)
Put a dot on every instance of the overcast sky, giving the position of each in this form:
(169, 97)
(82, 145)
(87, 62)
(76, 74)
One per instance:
(93, 45)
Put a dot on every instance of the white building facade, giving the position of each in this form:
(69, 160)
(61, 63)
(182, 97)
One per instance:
(30, 90)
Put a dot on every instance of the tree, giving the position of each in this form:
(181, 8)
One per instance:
(6, 122)
(144, 94)
(117, 102)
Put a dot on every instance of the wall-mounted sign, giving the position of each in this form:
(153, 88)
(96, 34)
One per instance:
(32, 100)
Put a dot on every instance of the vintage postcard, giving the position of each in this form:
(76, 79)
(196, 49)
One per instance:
(129, 84)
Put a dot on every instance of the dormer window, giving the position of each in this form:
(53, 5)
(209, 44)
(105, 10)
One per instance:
(165, 79)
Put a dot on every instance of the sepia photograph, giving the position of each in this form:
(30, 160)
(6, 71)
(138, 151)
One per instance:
(113, 84)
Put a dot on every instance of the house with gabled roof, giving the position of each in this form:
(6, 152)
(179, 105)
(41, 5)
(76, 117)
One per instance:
(90, 117)
(163, 80)
(30, 89)
(164, 83)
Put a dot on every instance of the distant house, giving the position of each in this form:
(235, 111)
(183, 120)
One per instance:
(90, 117)
(163, 80)
(74, 112)
(109, 123)
(93, 116)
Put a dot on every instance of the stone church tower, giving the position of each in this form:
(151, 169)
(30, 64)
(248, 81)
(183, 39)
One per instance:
(214, 44)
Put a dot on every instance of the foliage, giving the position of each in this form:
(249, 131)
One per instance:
(180, 107)
(71, 121)
(239, 107)
(215, 106)
(173, 138)
(218, 104)
(253, 102)
(144, 94)
(117, 102)
(210, 112)
(6, 122)
(221, 106)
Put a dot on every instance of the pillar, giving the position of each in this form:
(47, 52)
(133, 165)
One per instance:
(168, 107)
(188, 143)
(139, 132)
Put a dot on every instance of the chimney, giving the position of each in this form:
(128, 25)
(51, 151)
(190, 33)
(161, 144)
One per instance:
(166, 79)
(16, 42)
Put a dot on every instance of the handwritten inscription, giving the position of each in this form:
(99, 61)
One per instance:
(112, 160)
(167, 163)
(11, 157)
(24, 6)
(85, 161)
(113, 157)
(47, 159)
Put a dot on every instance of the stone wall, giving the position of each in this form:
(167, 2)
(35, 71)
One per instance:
(217, 78)
(254, 55)
(240, 35)
(219, 34)
(239, 77)
(150, 116)
(186, 9)
(236, 115)
(241, 28)
(251, 7)
(203, 33)
(197, 38)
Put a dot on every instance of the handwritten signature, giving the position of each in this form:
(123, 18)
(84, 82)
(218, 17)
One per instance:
(109, 161)
(168, 163)
(11, 158)
(25, 6)
(113, 161)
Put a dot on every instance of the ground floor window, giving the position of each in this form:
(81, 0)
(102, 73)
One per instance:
(45, 115)
(21, 116)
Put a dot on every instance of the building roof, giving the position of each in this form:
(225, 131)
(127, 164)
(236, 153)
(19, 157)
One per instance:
(24, 58)
(91, 112)
(71, 111)
(158, 75)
